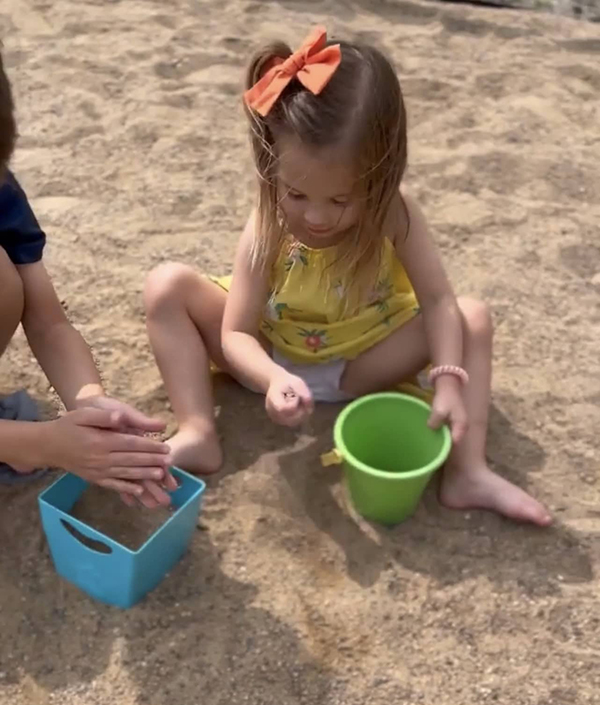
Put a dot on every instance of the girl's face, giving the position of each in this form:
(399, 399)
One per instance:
(316, 192)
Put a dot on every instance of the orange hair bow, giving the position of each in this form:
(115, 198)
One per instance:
(313, 65)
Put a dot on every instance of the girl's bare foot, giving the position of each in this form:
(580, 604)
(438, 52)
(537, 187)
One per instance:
(483, 489)
(196, 449)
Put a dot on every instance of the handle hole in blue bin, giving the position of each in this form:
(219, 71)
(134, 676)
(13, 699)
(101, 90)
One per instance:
(92, 544)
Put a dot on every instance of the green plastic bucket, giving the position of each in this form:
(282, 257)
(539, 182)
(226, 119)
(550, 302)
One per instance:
(389, 454)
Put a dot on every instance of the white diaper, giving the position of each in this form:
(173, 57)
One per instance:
(323, 379)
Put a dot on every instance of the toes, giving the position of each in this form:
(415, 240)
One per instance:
(488, 491)
(537, 514)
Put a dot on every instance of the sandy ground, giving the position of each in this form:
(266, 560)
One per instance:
(134, 152)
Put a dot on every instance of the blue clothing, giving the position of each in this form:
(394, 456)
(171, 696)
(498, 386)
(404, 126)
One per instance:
(20, 233)
(23, 240)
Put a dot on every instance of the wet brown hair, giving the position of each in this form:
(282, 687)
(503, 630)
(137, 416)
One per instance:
(362, 110)
(8, 127)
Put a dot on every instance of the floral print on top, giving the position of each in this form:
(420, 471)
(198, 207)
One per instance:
(304, 316)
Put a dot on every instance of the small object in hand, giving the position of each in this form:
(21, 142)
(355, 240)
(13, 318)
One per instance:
(289, 394)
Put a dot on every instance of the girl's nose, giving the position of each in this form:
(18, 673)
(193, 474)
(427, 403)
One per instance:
(316, 218)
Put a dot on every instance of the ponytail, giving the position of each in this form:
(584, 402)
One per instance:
(261, 62)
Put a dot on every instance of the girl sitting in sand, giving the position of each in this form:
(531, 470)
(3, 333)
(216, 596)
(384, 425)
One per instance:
(337, 289)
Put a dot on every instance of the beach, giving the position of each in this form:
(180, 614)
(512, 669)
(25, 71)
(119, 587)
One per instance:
(133, 151)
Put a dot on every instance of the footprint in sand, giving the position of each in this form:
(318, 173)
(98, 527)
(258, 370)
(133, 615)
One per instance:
(587, 77)
(582, 260)
(581, 46)
(186, 65)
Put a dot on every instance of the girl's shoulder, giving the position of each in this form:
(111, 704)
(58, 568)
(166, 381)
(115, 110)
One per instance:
(397, 222)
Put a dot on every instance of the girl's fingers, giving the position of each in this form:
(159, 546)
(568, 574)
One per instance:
(290, 400)
(436, 419)
(296, 418)
(285, 405)
(306, 398)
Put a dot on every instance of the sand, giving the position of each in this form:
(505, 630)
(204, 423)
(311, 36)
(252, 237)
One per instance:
(134, 152)
(130, 526)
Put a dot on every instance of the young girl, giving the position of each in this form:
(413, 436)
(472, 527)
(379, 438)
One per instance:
(337, 289)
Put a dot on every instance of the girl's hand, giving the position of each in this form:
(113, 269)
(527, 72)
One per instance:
(289, 401)
(448, 407)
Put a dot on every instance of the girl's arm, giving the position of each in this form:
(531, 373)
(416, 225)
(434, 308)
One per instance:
(241, 322)
(439, 307)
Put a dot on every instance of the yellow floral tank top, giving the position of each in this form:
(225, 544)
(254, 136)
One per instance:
(304, 317)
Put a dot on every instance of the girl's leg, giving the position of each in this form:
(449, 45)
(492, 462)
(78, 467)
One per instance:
(467, 481)
(11, 300)
(184, 312)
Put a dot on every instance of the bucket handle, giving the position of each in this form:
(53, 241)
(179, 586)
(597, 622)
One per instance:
(334, 457)
(89, 542)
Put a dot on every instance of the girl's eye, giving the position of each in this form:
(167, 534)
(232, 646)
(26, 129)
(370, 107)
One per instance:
(296, 196)
(339, 203)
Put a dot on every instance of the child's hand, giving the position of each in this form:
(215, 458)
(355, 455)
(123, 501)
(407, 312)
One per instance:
(154, 494)
(289, 401)
(132, 421)
(90, 443)
(448, 407)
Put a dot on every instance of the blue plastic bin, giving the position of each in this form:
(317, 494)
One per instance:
(114, 574)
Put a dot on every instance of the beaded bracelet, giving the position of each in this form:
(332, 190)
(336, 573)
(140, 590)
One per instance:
(448, 370)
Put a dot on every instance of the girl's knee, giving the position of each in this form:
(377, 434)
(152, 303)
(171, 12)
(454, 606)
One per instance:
(478, 319)
(167, 285)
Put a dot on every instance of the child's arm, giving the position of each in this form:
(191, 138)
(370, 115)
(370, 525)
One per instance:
(441, 318)
(241, 322)
(64, 355)
(58, 347)
(20, 444)
(288, 399)
(88, 443)
(437, 301)
(68, 363)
